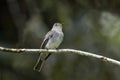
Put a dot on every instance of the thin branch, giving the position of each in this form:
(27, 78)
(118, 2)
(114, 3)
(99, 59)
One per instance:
(82, 53)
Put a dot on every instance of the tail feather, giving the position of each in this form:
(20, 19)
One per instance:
(40, 62)
(38, 66)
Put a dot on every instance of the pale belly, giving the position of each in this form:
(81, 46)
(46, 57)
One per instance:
(54, 42)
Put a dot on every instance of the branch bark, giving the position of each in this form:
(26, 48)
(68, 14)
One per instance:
(59, 51)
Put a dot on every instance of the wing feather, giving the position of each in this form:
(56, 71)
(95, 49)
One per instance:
(46, 39)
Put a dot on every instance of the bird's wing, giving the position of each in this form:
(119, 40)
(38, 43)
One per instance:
(46, 39)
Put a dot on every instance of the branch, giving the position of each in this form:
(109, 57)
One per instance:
(82, 53)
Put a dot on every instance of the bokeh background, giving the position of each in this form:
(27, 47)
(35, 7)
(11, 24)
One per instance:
(88, 25)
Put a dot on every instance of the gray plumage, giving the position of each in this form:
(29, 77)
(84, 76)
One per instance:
(51, 41)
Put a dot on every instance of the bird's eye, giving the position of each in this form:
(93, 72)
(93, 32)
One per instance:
(56, 24)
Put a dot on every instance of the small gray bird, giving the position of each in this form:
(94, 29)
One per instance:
(51, 41)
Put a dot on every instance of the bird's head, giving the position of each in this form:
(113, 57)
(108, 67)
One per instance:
(57, 26)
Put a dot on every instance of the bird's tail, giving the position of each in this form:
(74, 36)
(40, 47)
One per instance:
(38, 66)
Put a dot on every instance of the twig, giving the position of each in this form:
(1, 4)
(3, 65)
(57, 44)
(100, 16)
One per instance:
(83, 53)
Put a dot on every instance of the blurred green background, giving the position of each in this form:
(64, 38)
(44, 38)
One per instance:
(88, 25)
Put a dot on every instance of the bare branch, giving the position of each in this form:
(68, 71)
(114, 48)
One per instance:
(59, 51)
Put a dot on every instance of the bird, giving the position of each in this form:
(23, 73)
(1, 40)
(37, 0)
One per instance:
(52, 40)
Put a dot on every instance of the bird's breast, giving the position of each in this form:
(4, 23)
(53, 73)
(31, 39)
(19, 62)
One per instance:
(55, 41)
